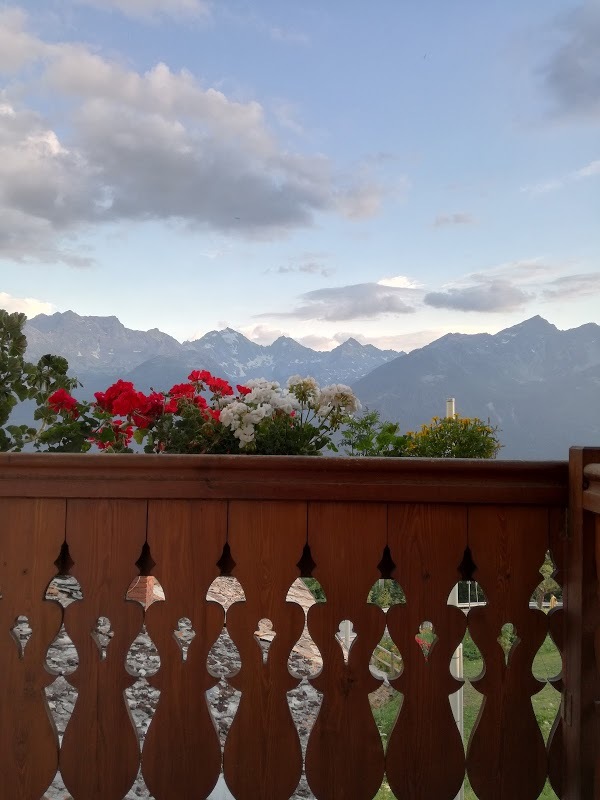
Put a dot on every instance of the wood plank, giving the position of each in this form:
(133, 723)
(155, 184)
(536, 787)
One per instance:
(100, 752)
(31, 534)
(182, 748)
(284, 478)
(506, 756)
(345, 757)
(581, 737)
(262, 755)
(427, 544)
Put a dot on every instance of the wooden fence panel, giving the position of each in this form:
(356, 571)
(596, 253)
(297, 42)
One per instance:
(262, 755)
(100, 752)
(344, 757)
(506, 756)
(425, 756)
(31, 534)
(558, 546)
(182, 748)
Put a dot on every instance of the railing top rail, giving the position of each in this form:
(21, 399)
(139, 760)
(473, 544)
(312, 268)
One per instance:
(284, 478)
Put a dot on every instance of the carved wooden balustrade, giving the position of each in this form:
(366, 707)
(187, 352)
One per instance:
(266, 521)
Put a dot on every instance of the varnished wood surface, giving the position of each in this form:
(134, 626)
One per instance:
(100, 752)
(283, 478)
(427, 543)
(31, 534)
(267, 509)
(182, 748)
(262, 755)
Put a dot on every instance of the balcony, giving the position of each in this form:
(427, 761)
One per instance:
(345, 523)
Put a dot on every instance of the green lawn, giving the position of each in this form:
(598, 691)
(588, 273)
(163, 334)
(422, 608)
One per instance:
(545, 703)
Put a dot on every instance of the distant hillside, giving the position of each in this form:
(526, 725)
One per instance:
(540, 385)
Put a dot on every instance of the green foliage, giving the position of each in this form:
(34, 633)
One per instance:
(386, 593)
(448, 437)
(315, 588)
(21, 380)
(367, 435)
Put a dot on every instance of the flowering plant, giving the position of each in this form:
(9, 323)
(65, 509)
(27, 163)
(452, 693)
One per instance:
(203, 415)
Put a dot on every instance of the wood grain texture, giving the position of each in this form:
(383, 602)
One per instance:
(31, 534)
(182, 749)
(100, 752)
(427, 544)
(581, 679)
(345, 757)
(506, 756)
(302, 478)
(262, 756)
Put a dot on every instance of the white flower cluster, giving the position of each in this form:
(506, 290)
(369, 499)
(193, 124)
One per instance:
(243, 414)
(306, 390)
(338, 397)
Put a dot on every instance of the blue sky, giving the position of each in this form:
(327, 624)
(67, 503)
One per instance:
(391, 171)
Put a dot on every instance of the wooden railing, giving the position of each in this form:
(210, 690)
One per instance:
(346, 523)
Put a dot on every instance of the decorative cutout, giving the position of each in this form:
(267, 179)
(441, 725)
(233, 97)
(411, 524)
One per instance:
(223, 657)
(264, 636)
(386, 703)
(386, 566)
(142, 657)
(223, 703)
(64, 562)
(306, 563)
(386, 661)
(548, 593)
(102, 634)
(508, 640)
(467, 566)
(184, 635)
(226, 591)
(145, 562)
(226, 564)
(21, 632)
(64, 589)
(346, 636)
(426, 638)
(145, 590)
(62, 657)
(62, 698)
(386, 593)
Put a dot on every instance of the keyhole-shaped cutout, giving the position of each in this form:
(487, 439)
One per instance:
(346, 636)
(102, 634)
(264, 636)
(426, 638)
(508, 640)
(184, 635)
(21, 632)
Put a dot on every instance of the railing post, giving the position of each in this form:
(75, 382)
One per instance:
(581, 657)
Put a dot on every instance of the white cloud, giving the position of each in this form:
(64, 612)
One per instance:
(26, 305)
(588, 171)
(591, 169)
(356, 301)
(17, 47)
(400, 282)
(151, 146)
(496, 296)
(153, 9)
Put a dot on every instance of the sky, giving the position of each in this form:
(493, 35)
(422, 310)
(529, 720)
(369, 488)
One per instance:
(391, 171)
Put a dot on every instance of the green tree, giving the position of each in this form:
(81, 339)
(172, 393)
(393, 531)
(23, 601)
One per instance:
(21, 380)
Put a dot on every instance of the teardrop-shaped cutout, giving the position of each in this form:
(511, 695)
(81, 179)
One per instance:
(21, 632)
(385, 703)
(226, 590)
(142, 658)
(223, 657)
(385, 593)
(508, 640)
(62, 657)
(426, 638)
(346, 636)
(145, 590)
(386, 661)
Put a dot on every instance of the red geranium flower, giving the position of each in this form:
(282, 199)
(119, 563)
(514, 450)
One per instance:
(243, 389)
(182, 390)
(219, 386)
(61, 402)
(200, 376)
(105, 400)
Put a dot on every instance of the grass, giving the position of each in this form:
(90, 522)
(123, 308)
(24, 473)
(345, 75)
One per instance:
(547, 664)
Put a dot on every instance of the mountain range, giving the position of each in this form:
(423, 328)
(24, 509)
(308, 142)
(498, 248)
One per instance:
(101, 349)
(538, 384)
